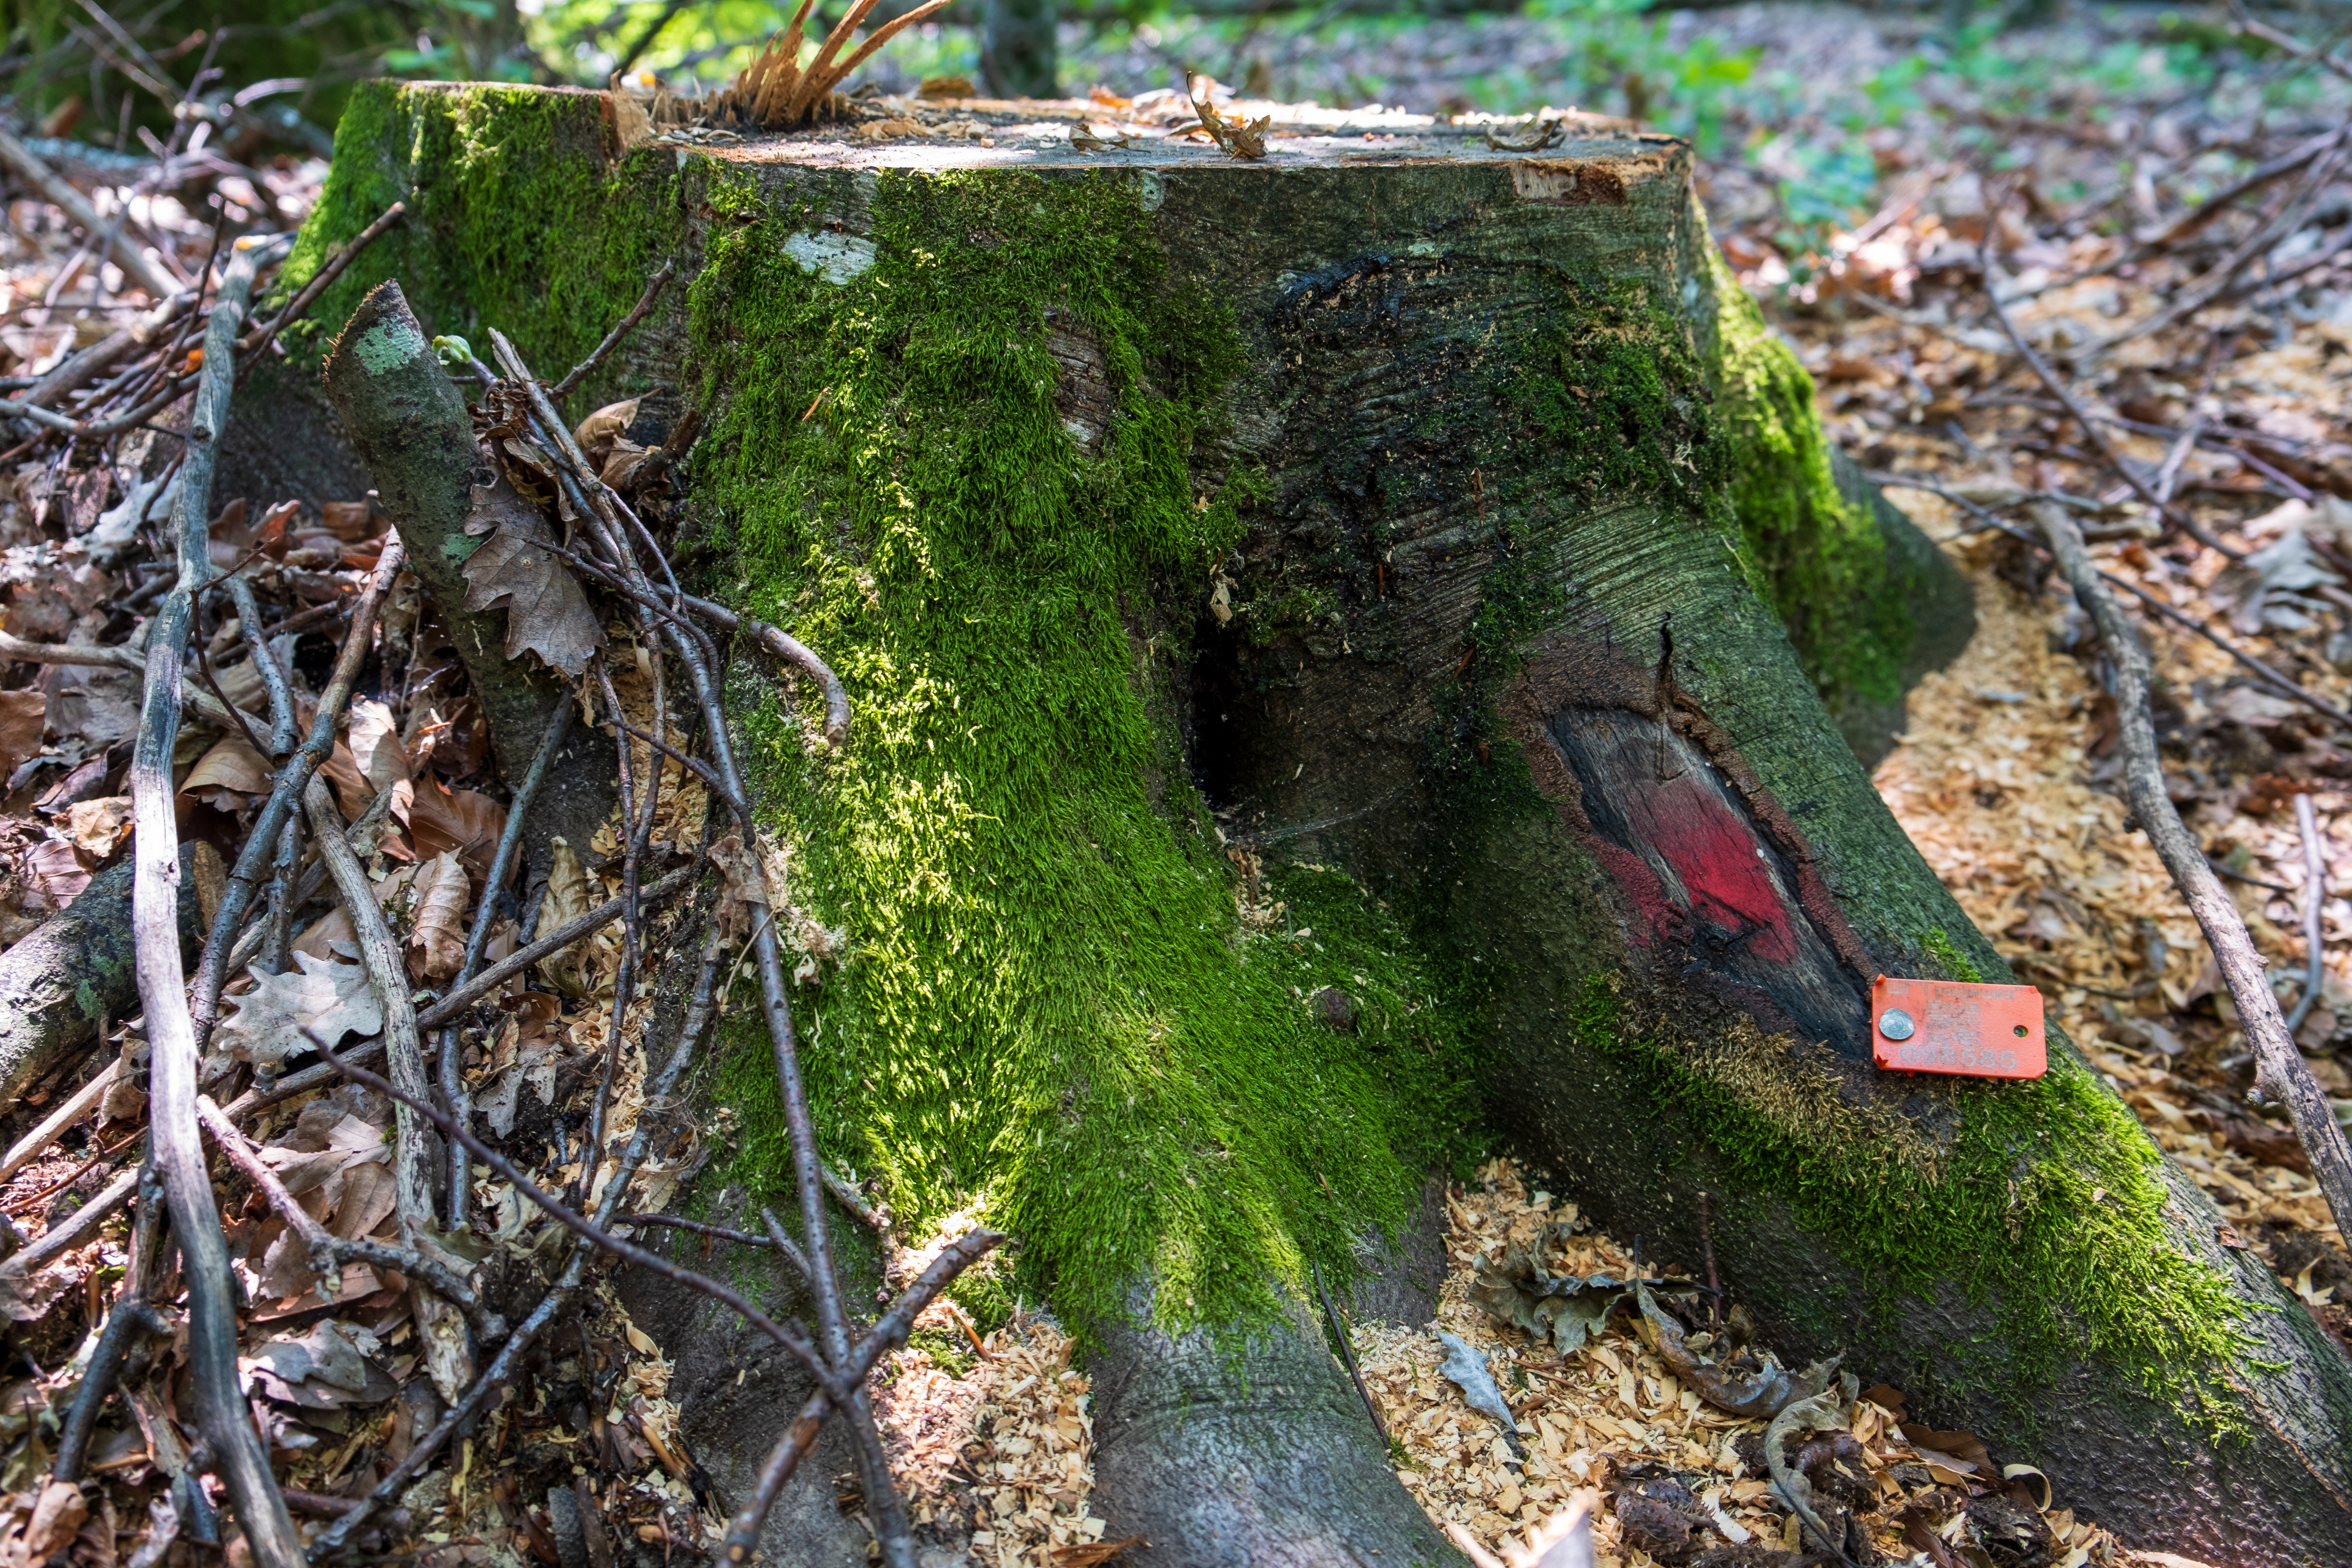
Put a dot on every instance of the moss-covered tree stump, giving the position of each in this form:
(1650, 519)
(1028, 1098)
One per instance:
(1347, 647)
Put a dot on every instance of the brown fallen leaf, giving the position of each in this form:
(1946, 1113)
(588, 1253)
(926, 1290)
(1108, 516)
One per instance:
(597, 433)
(23, 715)
(276, 1018)
(548, 613)
(54, 876)
(1240, 138)
(442, 820)
(369, 760)
(495, 505)
(578, 971)
(1095, 1553)
(438, 935)
(96, 827)
(56, 1518)
(349, 520)
(229, 775)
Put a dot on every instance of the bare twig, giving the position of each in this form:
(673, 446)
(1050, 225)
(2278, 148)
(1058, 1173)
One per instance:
(136, 264)
(273, 677)
(2280, 1071)
(628, 324)
(447, 1358)
(1348, 1355)
(453, 1077)
(742, 1536)
(77, 1106)
(2315, 900)
(502, 1368)
(262, 336)
(327, 1249)
(603, 525)
(287, 790)
(2247, 25)
(2283, 684)
(171, 1032)
(131, 1312)
(587, 1229)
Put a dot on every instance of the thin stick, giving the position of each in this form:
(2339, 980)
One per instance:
(1348, 1355)
(286, 791)
(2284, 685)
(263, 335)
(742, 1536)
(2281, 1072)
(178, 1144)
(579, 372)
(587, 1229)
(273, 677)
(892, 1532)
(131, 1312)
(2314, 899)
(501, 1371)
(327, 1249)
(1706, 1247)
(76, 1107)
(135, 263)
(453, 1077)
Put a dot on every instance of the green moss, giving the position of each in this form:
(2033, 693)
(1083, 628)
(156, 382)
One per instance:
(515, 219)
(1821, 563)
(1053, 1010)
(1939, 946)
(2046, 1204)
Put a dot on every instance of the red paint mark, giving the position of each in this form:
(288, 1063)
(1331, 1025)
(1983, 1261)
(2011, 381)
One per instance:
(1716, 854)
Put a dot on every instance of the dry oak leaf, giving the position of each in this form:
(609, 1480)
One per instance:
(441, 820)
(439, 933)
(494, 505)
(547, 611)
(23, 716)
(276, 1017)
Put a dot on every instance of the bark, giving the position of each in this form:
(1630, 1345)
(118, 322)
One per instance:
(1491, 642)
(62, 981)
(405, 419)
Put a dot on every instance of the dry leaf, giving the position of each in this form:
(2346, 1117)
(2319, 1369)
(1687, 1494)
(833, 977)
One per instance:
(331, 1000)
(1240, 138)
(577, 971)
(547, 611)
(96, 827)
(54, 876)
(349, 520)
(229, 775)
(441, 820)
(439, 934)
(604, 428)
(56, 1518)
(368, 761)
(495, 505)
(23, 715)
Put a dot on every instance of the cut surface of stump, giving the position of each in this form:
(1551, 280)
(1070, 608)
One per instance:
(1399, 565)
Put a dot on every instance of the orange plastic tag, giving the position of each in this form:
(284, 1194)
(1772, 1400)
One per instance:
(1947, 1025)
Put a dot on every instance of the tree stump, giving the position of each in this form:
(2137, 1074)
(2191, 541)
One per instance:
(1402, 566)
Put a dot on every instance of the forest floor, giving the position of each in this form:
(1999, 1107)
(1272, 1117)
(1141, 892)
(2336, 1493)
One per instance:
(1869, 183)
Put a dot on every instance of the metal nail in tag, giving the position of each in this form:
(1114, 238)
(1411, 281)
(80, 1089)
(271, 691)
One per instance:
(1952, 1027)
